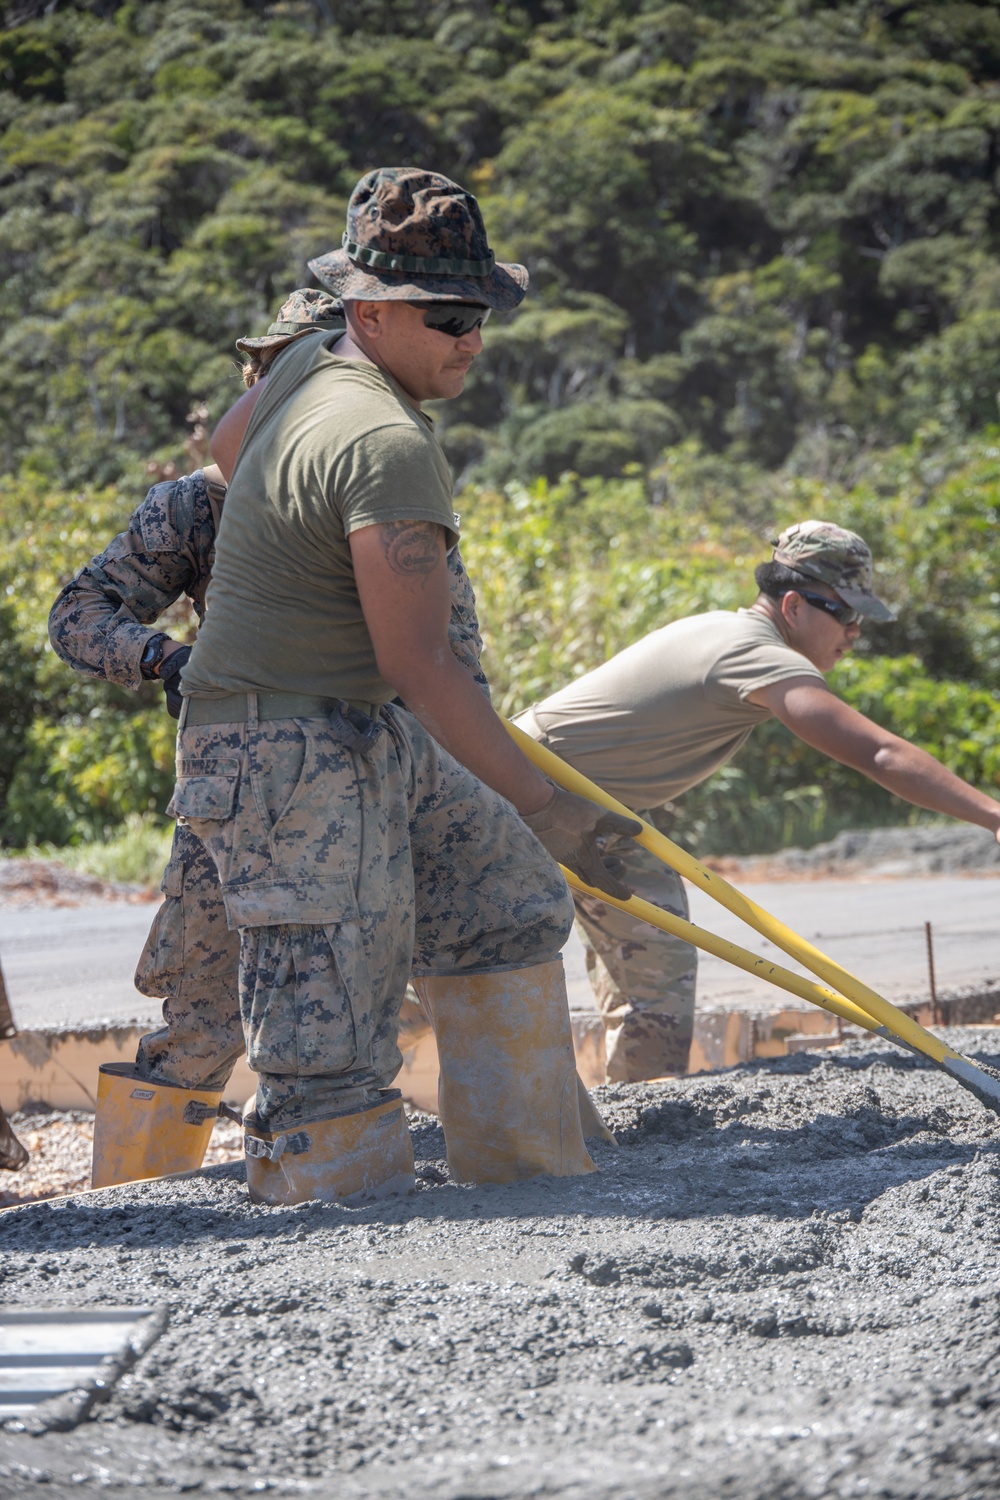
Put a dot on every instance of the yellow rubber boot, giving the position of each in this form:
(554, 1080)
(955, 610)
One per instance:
(144, 1129)
(348, 1159)
(508, 1091)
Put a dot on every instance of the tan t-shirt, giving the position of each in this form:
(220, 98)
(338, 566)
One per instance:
(667, 712)
(333, 445)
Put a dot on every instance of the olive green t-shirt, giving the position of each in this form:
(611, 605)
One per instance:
(332, 445)
(667, 712)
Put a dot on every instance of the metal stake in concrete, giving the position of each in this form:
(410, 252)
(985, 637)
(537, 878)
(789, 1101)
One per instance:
(936, 1009)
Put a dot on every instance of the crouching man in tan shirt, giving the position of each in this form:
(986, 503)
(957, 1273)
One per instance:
(664, 714)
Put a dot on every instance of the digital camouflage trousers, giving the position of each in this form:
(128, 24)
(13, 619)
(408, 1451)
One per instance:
(643, 979)
(343, 866)
(191, 961)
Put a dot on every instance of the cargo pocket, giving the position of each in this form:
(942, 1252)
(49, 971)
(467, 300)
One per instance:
(205, 791)
(163, 956)
(306, 995)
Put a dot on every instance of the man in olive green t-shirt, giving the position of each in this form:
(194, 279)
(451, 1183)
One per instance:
(355, 837)
(664, 714)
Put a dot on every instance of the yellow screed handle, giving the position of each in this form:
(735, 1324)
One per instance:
(877, 1010)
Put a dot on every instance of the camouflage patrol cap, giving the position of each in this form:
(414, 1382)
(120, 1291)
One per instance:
(303, 312)
(836, 557)
(415, 236)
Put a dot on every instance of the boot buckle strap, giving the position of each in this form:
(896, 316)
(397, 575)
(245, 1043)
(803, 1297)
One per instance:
(266, 1150)
(197, 1112)
(275, 1150)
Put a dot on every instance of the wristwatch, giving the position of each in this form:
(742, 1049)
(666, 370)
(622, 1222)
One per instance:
(152, 655)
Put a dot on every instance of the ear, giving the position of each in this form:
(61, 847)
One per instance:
(791, 607)
(366, 317)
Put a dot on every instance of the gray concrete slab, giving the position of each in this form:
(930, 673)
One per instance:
(781, 1285)
(73, 966)
(874, 928)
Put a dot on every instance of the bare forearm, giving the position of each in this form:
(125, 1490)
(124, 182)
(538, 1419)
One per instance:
(451, 707)
(822, 720)
(918, 778)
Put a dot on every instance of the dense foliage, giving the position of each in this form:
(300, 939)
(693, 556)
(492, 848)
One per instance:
(763, 242)
(770, 225)
(567, 574)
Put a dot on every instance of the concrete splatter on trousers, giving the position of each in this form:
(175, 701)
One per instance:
(341, 868)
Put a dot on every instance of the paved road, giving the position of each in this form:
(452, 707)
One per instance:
(874, 928)
(72, 966)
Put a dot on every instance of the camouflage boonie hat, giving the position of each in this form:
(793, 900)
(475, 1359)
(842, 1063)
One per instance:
(836, 557)
(303, 312)
(415, 236)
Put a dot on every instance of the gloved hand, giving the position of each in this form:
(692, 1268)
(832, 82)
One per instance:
(569, 827)
(170, 676)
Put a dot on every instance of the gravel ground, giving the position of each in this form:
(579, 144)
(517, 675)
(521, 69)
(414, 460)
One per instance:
(61, 1145)
(784, 1283)
(896, 853)
(48, 882)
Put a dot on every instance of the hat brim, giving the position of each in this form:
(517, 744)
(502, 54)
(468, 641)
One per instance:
(869, 605)
(254, 346)
(502, 290)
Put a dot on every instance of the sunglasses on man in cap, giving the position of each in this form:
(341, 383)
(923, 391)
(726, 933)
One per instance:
(843, 613)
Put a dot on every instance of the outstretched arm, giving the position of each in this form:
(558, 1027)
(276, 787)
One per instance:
(817, 716)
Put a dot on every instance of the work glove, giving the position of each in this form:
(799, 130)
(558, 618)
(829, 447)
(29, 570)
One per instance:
(170, 676)
(569, 827)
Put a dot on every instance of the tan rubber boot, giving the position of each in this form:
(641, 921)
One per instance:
(508, 1092)
(144, 1129)
(349, 1159)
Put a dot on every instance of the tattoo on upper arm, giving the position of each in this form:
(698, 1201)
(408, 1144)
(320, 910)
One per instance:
(412, 548)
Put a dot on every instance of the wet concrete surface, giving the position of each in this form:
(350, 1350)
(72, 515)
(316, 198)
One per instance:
(784, 1283)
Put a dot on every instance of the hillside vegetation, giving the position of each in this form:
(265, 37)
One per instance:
(763, 242)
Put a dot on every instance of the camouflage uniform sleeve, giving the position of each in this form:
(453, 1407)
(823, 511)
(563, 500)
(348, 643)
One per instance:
(463, 627)
(98, 624)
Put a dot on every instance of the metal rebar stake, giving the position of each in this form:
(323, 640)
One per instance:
(936, 1009)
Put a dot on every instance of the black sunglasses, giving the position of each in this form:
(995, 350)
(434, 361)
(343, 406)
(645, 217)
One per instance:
(843, 613)
(456, 319)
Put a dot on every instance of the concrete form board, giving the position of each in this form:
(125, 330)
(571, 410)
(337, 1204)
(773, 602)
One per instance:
(59, 1068)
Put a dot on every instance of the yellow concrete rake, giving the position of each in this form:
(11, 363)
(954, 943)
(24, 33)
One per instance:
(853, 1000)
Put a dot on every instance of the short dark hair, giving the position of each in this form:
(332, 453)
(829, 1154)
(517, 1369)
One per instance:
(775, 578)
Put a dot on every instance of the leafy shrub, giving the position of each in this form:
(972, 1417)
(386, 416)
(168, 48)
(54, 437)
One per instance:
(79, 779)
(135, 855)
